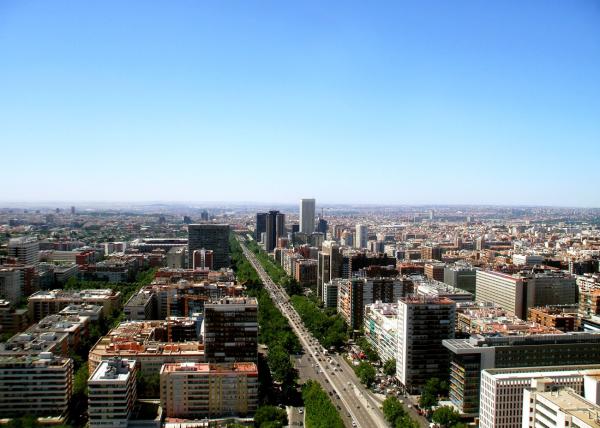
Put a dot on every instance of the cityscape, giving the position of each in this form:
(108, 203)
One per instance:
(360, 317)
(275, 214)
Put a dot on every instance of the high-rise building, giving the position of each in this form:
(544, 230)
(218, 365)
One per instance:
(322, 226)
(112, 393)
(468, 357)
(213, 237)
(329, 265)
(26, 249)
(381, 329)
(361, 236)
(307, 216)
(231, 330)
(516, 293)
(354, 294)
(423, 323)
(203, 390)
(274, 229)
(39, 385)
(261, 226)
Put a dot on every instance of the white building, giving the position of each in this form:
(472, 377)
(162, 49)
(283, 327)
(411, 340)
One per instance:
(527, 259)
(501, 392)
(112, 393)
(307, 216)
(361, 236)
(381, 329)
(544, 405)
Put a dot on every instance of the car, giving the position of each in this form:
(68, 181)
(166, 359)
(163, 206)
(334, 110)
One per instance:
(300, 411)
(353, 423)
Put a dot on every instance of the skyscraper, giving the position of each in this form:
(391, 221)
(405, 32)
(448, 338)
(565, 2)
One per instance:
(213, 237)
(261, 225)
(307, 216)
(361, 236)
(274, 229)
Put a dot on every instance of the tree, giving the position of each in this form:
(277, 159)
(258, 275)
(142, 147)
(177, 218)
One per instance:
(280, 364)
(446, 416)
(366, 373)
(270, 416)
(427, 400)
(148, 385)
(392, 409)
(389, 367)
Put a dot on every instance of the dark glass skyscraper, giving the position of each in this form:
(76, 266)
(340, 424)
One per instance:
(213, 237)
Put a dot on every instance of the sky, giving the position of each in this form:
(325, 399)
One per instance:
(443, 102)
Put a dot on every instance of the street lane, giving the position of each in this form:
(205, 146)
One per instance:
(341, 382)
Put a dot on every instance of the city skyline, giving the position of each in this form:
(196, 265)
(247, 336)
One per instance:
(462, 103)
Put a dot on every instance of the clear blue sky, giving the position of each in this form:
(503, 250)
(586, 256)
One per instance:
(392, 102)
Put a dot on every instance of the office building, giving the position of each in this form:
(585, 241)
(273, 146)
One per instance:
(203, 390)
(431, 288)
(25, 249)
(330, 262)
(470, 356)
(307, 216)
(423, 323)
(39, 385)
(231, 330)
(545, 405)
(460, 276)
(330, 293)
(322, 226)
(214, 237)
(274, 229)
(381, 329)
(361, 236)
(112, 393)
(261, 226)
(501, 397)
(518, 292)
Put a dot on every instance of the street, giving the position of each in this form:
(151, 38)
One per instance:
(354, 402)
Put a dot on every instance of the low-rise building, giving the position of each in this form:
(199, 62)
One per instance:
(545, 405)
(559, 317)
(501, 396)
(44, 303)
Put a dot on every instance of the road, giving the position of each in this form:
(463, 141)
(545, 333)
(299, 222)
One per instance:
(355, 404)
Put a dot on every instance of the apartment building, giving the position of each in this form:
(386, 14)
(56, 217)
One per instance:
(112, 393)
(39, 385)
(203, 390)
(44, 303)
(381, 329)
(231, 330)
(423, 323)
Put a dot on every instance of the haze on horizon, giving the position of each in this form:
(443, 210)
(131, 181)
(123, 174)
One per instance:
(413, 103)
